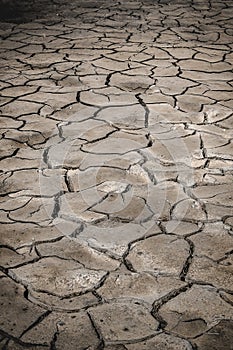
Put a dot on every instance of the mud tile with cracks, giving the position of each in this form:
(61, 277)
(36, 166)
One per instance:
(168, 71)
(173, 85)
(93, 81)
(125, 207)
(68, 248)
(29, 137)
(117, 97)
(34, 183)
(110, 160)
(169, 172)
(25, 153)
(226, 123)
(75, 328)
(37, 210)
(162, 197)
(121, 322)
(157, 52)
(90, 130)
(18, 108)
(74, 205)
(137, 138)
(55, 100)
(212, 129)
(218, 337)
(74, 112)
(43, 60)
(65, 154)
(181, 228)
(8, 148)
(10, 257)
(9, 203)
(207, 271)
(61, 304)
(138, 286)
(57, 276)
(215, 194)
(21, 234)
(114, 236)
(210, 142)
(165, 113)
(192, 103)
(203, 66)
(111, 64)
(117, 143)
(124, 116)
(9, 123)
(222, 152)
(185, 150)
(217, 179)
(193, 312)
(17, 313)
(190, 210)
(202, 77)
(17, 91)
(46, 127)
(156, 254)
(181, 52)
(81, 180)
(216, 113)
(217, 212)
(14, 345)
(137, 176)
(154, 96)
(167, 131)
(136, 84)
(222, 164)
(161, 342)
(213, 241)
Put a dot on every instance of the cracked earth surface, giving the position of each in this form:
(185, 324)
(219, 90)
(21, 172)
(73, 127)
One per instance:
(116, 189)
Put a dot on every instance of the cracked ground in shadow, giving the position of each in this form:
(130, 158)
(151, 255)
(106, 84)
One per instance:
(116, 164)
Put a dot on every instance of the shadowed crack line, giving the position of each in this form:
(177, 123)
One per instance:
(163, 300)
(98, 333)
(35, 323)
(188, 261)
(19, 341)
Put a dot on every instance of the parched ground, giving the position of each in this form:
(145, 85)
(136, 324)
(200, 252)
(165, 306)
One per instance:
(116, 191)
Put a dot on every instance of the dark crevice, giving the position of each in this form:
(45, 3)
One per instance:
(68, 182)
(163, 300)
(35, 323)
(19, 341)
(13, 154)
(53, 341)
(98, 333)
(188, 262)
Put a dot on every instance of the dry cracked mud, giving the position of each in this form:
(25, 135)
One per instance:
(116, 164)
